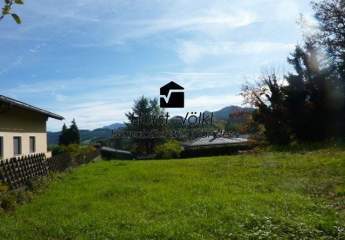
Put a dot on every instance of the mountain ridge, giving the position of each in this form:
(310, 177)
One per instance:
(86, 136)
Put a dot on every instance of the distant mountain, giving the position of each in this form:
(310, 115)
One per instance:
(223, 114)
(53, 138)
(86, 136)
(114, 126)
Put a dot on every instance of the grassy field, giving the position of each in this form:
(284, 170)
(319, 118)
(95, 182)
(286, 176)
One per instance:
(263, 196)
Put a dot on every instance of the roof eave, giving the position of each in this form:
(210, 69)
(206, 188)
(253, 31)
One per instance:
(57, 117)
(29, 107)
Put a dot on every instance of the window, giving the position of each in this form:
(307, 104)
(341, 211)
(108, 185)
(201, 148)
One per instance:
(1, 147)
(32, 144)
(17, 145)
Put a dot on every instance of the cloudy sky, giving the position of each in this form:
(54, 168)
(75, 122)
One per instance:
(89, 59)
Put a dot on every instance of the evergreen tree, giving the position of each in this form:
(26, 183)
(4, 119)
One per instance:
(331, 18)
(69, 135)
(63, 138)
(310, 104)
(145, 119)
(303, 106)
(74, 135)
(309, 95)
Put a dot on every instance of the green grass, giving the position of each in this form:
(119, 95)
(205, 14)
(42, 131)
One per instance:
(263, 196)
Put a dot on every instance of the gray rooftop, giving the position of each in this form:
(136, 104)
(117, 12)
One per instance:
(113, 150)
(26, 106)
(211, 141)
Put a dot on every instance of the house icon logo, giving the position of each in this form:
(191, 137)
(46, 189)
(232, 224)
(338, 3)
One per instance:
(172, 96)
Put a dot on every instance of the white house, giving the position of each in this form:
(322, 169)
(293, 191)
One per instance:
(23, 128)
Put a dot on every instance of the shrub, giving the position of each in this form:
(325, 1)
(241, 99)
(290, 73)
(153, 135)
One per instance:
(57, 149)
(3, 187)
(8, 201)
(74, 154)
(84, 155)
(72, 149)
(23, 197)
(170, 149)
(75, 149)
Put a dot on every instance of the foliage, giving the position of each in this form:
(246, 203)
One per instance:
(145, 120)
(309, 103)
(3, 187)
(7, 10)
(65, 157)
(304, 106)
(118, 143)
(56, 149)
(264, 196)
(330, 15)
(73, 149)
(170, 149)
(331, 36)
(311, 97)
(63, 138)
(241, 122)
(10, 200)
(269, 99)
(74, 135)
(69, 135)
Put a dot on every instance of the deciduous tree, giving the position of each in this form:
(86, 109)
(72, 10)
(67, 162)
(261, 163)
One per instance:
(8, 10)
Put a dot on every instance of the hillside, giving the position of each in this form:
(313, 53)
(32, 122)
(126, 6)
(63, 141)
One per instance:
(262, 196)
(223, 114)
(105, 132)
(86, 136)
(114, 126)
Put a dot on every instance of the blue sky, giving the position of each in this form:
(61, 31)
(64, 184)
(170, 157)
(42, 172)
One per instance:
(89, 60)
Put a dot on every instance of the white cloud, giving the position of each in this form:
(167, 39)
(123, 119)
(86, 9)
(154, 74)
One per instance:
(191, 52)
(214, 102)
(91, 115)
(205, 22)
(95, 103)
(112, 22)
(285, 10)
(205, 81)
(209, 33)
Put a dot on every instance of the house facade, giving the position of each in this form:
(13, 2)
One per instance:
(23, 128)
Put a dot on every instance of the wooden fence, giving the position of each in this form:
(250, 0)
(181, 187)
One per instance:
(18, 172)
(59, 163)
